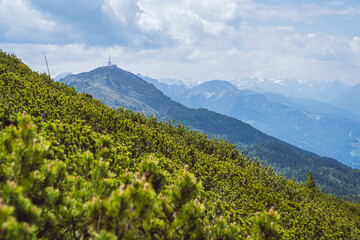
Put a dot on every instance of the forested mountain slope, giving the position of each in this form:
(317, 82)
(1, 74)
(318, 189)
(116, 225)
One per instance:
(331, 177)
(313, 126)
(73, 168)
(112, 83)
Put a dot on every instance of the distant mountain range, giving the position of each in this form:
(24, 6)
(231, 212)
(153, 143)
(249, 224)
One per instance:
(319, 90)
(309, 124)
(118, 88)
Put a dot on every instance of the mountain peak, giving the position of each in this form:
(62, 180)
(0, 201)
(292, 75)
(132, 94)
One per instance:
(117, 88)
(215, 88)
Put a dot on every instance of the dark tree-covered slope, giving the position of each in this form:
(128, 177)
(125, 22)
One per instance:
(331, 177)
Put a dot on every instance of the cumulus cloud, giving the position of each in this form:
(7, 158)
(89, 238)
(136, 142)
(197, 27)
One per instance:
(21, 23)
(201, 39)
(302, 11)
(326, 47)
(98, 22)
(124, 11)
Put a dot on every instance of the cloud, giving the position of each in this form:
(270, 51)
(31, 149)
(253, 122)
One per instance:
(98, 22)
(21, 23)
(326, 47)
(355, 45)
(187, 21)
(203, 39)
(321, 10)
(126, 12)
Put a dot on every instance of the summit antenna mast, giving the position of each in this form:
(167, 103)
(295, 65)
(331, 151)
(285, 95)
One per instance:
(109, 62)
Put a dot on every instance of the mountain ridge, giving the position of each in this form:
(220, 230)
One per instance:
(319, 90)
(165, 108)
(308, 124)
(228, 128)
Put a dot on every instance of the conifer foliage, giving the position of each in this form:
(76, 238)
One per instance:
(72, 168)
(43, 197)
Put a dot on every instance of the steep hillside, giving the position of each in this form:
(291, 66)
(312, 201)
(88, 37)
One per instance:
(105, 83)
(214, 124)
(109, 84)
(77, 169)
(296, 164)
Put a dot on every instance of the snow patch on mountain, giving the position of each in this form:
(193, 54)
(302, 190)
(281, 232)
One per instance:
(209, 95)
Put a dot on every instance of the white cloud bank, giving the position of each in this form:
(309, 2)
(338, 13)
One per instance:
(201, 40)
(21, 23)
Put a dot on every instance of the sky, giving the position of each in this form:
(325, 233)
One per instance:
(196, 40)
